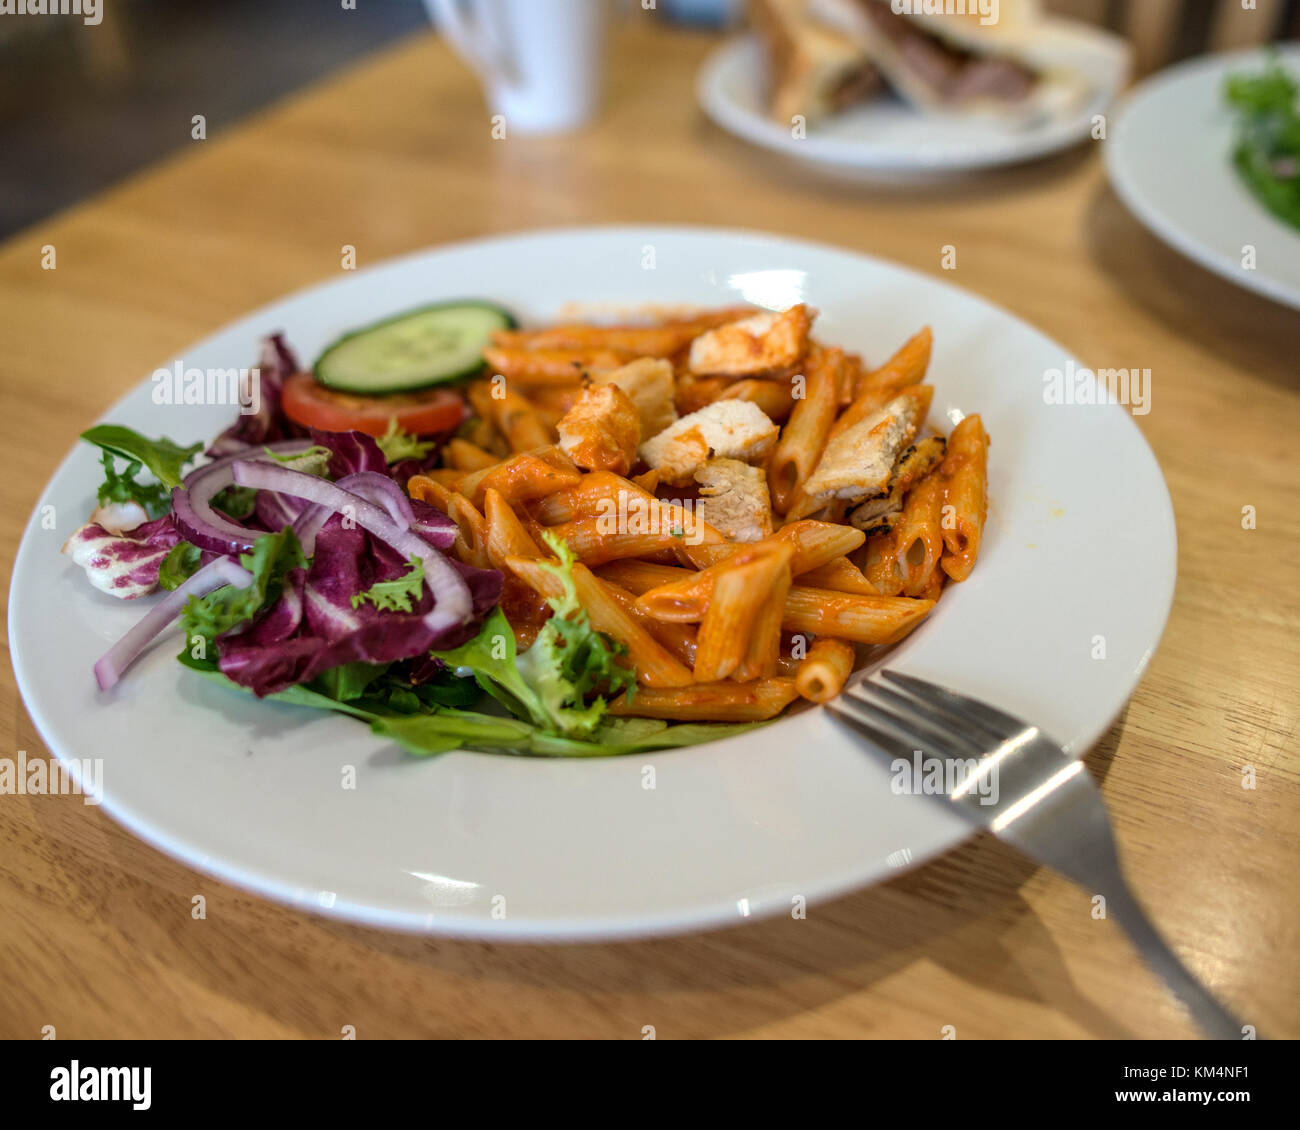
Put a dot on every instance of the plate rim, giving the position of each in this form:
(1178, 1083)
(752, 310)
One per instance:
(574, 929)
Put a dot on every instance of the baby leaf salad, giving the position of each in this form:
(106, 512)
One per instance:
(297, 569)
(1267, 147)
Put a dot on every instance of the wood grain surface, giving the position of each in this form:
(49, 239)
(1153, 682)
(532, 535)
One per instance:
(96, 936)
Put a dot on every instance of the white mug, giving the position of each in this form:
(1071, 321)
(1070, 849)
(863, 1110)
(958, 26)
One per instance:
(541, 61)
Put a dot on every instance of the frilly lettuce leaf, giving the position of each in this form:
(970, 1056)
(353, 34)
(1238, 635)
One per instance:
(273, 556)
(570, 662)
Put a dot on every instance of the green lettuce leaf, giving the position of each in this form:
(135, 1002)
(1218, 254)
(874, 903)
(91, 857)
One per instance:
(550, 683)
(314, 461)
(398, 445)
(395, 595)
(179, 565)
(163, 457)
(272, 557)
(235, 501)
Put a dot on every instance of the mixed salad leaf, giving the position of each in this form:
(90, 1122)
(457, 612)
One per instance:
(163, 458)
(399, 446)
(340, 604)
(1267, 148)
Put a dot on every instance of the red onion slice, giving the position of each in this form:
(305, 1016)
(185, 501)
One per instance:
(382, 491)
(126, 651)
(370, 485)
(452, 603)
(192, 501)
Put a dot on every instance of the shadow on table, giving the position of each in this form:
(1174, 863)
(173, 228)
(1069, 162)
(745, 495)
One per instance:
(1258, 334)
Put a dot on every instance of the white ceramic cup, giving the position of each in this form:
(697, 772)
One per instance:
(540, 61)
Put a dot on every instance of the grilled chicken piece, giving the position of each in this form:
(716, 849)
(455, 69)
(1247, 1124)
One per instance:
(602, 430)
(916, 462)
(725, 429)
(734, 499)
(648, 383)
(858, 464)
(765, 343)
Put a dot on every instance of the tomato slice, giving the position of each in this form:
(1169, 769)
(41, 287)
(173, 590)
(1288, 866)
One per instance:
(423, 413)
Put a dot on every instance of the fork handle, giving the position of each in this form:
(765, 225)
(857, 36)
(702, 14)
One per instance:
(1216, 1021)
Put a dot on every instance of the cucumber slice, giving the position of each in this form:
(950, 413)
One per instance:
(429, 346)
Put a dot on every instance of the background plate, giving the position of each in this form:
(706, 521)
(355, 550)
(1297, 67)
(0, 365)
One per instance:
(885, 138)
(1170, 160)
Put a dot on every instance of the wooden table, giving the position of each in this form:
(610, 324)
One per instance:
(96, 936)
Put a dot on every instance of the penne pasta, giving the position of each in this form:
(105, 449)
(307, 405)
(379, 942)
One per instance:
(642, 576)
(517, 420)
(841, 575)
(965, 470)
(445, 477)
(551, 402)
(906, 368)
(918, 542)
(596, 541)
(861, 619)
(775, 398)
(506, 535)
(584, 497)
(880, 564)
(655, 665)
(754, 701)
(660, 339)
(471, 541)
(679, 639)
(763, 653)
(542, 367)
(741, 585)
(465, 456)
(804, 437)
(522, 477)
(850, 616)
(638, 341)
(434, 491)
(853, 373)
(825, 669)
(833, 518)
(694, 393)
(815, 544)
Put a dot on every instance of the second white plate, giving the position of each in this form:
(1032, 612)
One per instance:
(1170, 160)
(886, 139)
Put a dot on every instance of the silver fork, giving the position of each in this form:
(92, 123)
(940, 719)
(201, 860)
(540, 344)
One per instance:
(1007, 777)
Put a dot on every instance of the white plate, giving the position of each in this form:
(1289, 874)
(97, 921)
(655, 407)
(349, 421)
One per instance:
(1080, 544)
(885, 138)
(1170, 160)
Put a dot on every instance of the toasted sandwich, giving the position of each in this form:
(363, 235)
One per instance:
(972, 57)
(814, 69)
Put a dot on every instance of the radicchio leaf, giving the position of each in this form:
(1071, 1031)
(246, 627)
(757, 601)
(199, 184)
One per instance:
(314, 628)
(120, 565)
(268, 424)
